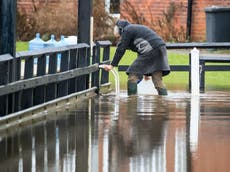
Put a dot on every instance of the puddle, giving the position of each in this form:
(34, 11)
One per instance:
(141, 133)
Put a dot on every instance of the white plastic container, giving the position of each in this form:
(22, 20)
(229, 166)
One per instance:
(36, 43)
(51, 43)
(71, 40)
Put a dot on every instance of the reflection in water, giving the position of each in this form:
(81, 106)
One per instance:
(142, 132)
(126, 134)
(180, 151)
(105, 151)
(45, 149)
(57, 148)
(33, 155)
(194, 122)
(20, 161)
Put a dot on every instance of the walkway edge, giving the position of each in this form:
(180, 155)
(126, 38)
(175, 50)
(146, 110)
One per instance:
(40, 112)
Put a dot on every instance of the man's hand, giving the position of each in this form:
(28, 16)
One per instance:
(108, 67)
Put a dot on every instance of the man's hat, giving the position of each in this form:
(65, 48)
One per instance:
(121, 24)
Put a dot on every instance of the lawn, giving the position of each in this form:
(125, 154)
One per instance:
(175, 80)
(22, 46)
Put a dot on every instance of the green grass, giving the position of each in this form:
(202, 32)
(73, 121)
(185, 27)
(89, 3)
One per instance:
(175, 80)
(22, 46)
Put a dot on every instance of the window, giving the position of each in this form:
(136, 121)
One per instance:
(112, 6)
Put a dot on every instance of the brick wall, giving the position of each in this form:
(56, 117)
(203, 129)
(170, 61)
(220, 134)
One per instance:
(151, 9)
(154, 9)
(199, 19)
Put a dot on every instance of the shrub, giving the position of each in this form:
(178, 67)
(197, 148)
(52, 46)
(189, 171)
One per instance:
(103, 22)
(25, 27)
(58, 19)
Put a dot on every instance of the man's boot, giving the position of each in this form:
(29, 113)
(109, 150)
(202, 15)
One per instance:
(132, 88)
(159, 85)
(162, 91)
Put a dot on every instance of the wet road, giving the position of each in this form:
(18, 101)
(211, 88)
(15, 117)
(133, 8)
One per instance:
(177, 133)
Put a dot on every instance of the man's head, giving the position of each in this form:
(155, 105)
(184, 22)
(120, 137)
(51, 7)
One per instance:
(119, 27)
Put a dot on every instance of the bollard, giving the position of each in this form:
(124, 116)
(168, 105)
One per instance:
(195, 72)
(195, 99)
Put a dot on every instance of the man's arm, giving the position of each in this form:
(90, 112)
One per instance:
(121, 48)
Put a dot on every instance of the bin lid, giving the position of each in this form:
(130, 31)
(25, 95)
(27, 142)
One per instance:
(217, 9)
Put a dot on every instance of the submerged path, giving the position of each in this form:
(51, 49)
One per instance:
(126, 134)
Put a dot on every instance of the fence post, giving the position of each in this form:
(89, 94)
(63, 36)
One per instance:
(96, 59)
(189, 73)
(73, 58)
(82, 81)
(105, 74)
(195, 72)
(18, 95)
(51, 89)
(8, 27)
(202, 76)
(5, 64)
(27, 95)
(39, 92)
(105, 58)
(62, 89)
(84, 14)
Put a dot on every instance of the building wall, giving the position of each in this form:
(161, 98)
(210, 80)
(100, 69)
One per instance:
(151, 10)
(199, 19)
(155, 8)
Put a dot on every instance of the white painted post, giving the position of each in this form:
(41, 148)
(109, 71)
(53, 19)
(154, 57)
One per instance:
(91, 33)
(195, 99)
(194, 122)
(91, 47)
(195, 72)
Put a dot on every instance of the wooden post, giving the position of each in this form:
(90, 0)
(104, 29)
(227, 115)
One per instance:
(82, 81)
(27, 95)
(4, 79)
(95, 75)
(8, 27)
(62, 89)
(73, 59)
(84, 15)
(84, 27)
(40, 91)
(51, 89)
(105, 74)
(8, 37)
(202, 76)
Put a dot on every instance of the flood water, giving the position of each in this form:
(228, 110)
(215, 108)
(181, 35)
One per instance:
(175, 133)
